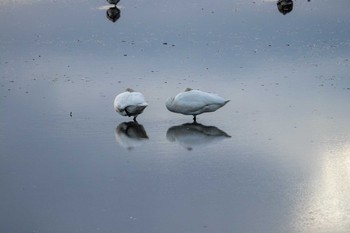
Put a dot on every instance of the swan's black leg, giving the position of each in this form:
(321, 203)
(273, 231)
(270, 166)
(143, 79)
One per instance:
(194, 119)
(127, 113)
(135, 119)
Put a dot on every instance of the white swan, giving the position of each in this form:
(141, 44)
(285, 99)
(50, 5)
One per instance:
(130, 103)
(195, 102)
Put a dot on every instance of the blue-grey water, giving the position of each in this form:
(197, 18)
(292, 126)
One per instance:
(275, 159)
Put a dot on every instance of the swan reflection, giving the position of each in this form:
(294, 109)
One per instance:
(130, 134)
(285, 6)
(190, 135)
(113, 14)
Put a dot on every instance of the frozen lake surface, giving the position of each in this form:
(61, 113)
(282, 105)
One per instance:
(275, 159)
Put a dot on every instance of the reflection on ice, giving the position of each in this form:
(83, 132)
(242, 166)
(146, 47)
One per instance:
(190, 135)
(130, 134)
(113, 14)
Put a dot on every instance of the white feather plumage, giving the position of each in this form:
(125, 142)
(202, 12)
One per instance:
(130, 103)
(195, 102)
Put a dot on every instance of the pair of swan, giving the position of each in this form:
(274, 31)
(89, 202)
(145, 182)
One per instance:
(190, 102)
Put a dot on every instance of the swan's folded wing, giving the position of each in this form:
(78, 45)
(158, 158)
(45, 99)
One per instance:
(188, 105)
(137, 99)
(193, 101)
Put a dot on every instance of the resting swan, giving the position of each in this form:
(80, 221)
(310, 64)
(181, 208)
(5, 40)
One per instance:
(195, 102)
(130, 103)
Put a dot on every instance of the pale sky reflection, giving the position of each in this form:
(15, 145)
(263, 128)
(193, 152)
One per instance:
(17, 2)
(325, 203)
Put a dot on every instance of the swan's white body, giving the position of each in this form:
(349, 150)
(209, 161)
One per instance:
(195, 102)
(130, 103)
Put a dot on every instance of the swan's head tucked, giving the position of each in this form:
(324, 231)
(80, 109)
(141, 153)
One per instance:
(169, 103)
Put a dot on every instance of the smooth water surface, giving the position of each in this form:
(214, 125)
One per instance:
(275, 159)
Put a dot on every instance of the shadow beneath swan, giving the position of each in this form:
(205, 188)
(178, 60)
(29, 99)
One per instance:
(191, 135)
(130, 135)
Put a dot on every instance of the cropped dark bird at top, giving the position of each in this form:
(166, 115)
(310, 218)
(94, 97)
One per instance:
(113, 14)
(285, 6)
(114, 2)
